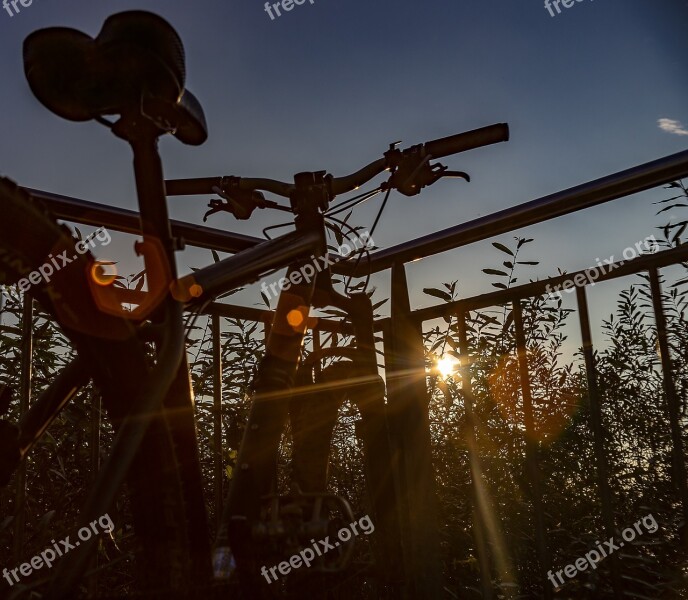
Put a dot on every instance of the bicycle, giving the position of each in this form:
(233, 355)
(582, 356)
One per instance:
(134, 70)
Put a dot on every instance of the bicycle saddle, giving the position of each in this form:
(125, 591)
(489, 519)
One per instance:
(135, 63)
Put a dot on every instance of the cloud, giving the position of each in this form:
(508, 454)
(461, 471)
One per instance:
(671, 126)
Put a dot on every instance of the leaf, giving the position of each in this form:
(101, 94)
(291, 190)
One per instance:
(503, 248)
(216, 256)
(678, 234)
(672, 206)
(495, 272)
(442, 295)
(668, 199)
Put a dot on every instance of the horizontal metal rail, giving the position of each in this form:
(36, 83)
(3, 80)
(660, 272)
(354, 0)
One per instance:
(538, 288)
(599, 191)
(128, 221)
(612, 187)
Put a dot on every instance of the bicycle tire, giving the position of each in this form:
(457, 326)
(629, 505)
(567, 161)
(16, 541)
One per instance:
(314, 413)
(117, 361)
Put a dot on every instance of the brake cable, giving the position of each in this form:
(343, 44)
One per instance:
(352, 202)
(372, 230)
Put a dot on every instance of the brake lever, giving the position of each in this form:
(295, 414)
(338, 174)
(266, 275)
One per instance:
(457, 175)
(240, 203)
(422, 175)
(216, 205)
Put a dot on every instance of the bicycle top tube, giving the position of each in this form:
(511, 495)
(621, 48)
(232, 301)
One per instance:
(247, 266)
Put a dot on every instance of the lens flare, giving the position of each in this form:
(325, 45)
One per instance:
(295, 318)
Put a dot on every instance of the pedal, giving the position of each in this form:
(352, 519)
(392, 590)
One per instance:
(297, 521)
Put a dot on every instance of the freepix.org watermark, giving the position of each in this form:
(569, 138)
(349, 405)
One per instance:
(649, 244)
(319, 548)
(48, 556)
(555, 3)
(13, 3)
(55, 263)
(597, 554)
(285, 5)
(306, 273)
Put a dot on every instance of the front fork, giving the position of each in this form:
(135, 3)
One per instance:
(256, 465)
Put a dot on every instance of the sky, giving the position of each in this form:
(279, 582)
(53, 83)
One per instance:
(599, 88)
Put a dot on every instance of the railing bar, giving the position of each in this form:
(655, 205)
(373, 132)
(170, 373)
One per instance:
(479, 530)
(591, 193)
(26, 375)
(217, 416)
(670, 392)
(76, 210)
(598, 432)
(96, 418)
(232, 311)
(316, 348)
(585, 195)
(532, 468)
(539, 288)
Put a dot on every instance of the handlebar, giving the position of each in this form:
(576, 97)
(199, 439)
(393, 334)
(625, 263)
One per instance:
(470, 140)
(439, 148)
(205, 185)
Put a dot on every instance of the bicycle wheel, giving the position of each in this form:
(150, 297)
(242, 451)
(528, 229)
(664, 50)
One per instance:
(29, 237)
(314, 412)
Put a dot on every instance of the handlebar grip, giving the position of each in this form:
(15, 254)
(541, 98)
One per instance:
(191, 187)
(461, 142)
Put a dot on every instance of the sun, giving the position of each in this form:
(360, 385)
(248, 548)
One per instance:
(446, 365)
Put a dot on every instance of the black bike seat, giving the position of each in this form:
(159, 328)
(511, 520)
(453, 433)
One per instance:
(136, 59)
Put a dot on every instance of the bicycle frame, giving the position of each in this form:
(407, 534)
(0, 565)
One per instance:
(228, 274)
(169, 383)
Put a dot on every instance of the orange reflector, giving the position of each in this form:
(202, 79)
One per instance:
(195, 290)
(103, 273)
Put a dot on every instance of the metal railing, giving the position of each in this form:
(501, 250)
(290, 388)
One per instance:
(405, 358)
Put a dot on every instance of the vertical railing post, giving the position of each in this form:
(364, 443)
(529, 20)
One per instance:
(217, 416)
(399, 473)
(532, 469)
(598, 433)
(474, 464)
(317, 346)
(24, 400)
(679, 470)
(3, 300)
(95, 467)
(408, 406)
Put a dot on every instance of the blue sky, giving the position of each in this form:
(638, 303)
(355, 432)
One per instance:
(330, 85)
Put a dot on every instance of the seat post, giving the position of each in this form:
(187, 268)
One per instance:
(142, 135)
